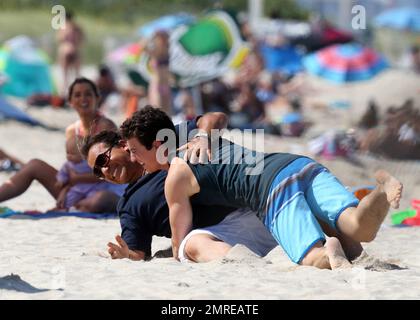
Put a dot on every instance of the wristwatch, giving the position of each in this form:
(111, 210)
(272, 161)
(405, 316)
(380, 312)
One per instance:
(202, 134)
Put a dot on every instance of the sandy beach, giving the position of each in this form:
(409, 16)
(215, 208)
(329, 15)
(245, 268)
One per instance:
(66, 258)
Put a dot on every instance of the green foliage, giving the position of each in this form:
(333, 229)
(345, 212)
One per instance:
(101, 19)
(128, 10)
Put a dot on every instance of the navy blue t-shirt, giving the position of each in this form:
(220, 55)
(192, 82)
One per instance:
(143, 210)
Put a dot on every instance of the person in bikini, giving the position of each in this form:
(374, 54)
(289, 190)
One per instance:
(70, 40)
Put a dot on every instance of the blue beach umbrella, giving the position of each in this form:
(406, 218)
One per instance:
(285, 59)
(26, 67)
(165, 23)
(345, 63)
(405, 18)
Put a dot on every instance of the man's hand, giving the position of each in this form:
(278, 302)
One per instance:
(120, 250)
(197, 150)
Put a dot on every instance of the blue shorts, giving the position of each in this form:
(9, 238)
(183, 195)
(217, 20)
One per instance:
(301, 193)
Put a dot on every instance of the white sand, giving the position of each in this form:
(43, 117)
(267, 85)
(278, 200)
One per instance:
(66, 258)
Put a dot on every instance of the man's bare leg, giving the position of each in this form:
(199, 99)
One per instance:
(361, 224)
(328, 256)
(352, 249)
(205, 248)
(336, 254)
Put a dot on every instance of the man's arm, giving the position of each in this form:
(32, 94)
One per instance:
(212, 120)
(179, 186)
(198, 149)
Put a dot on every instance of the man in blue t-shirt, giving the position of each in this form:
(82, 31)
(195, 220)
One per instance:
(143, 210)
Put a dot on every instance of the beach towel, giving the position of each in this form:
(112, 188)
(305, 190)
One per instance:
(9, 213)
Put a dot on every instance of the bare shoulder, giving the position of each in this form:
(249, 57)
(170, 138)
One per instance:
(181, 179)
(71, 131)
(179, 169)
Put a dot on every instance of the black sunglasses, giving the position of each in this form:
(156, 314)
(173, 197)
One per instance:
(102, 161)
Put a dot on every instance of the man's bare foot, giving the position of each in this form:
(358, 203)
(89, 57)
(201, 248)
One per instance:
(391, 186)
(336, 254)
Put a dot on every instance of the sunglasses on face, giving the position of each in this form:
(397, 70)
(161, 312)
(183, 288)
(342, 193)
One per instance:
(102, 161)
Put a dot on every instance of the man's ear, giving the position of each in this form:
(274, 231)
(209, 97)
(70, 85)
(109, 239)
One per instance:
(122, 143)
(156, 144)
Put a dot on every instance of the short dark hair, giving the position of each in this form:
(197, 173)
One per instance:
(104, 70)
(69, 15)
(109, 138)
(83, 80)
(145, 124)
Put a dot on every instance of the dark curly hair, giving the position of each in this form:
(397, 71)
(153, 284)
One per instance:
(145, 125)
(109, 138)
(83, 80)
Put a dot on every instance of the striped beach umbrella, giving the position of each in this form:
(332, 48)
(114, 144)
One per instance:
(345, 63)
(405, 18)
(126, 55)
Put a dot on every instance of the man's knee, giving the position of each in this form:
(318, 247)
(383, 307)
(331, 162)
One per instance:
(201, 246)
(192, 247)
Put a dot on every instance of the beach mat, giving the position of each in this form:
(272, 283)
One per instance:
(9, 213)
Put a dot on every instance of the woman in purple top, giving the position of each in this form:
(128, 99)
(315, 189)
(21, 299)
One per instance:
(83, 97)
(71, 194)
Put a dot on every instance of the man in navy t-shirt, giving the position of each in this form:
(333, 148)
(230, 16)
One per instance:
(143, 210)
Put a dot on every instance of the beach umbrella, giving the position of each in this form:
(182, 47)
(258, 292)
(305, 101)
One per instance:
(202, 51)
(165, 23)
(404, 18)
(126, 55)
(345, 63)
(26, 67)
(286, 59)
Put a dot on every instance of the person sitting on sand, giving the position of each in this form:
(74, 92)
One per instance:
(397, 137)
(370, 118)
(291, 193)
(143, 211)
(70, 195)
(83, 97)
(105, 83)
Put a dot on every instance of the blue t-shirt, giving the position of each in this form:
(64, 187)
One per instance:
(143, 210)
